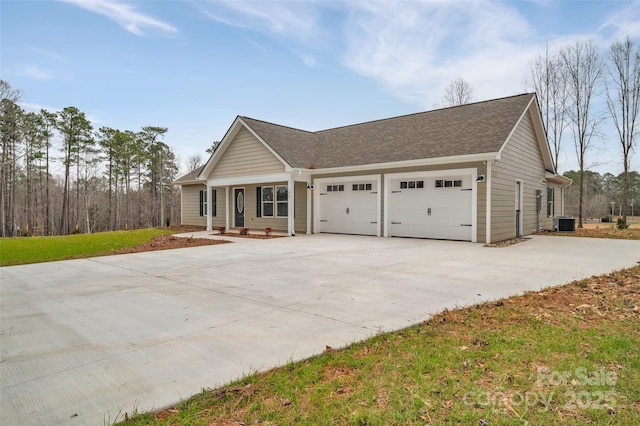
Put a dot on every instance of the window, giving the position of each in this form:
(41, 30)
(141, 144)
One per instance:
(441, 183)
(550, 206)
(267, 201)
(214, 204)
(335, 188)
(203, 202)
(412, 184)
(282, 201)
(361, 187)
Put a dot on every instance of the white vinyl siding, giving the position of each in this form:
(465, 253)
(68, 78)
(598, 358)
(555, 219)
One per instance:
(246, 156)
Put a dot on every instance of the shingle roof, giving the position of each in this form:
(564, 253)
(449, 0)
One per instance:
(191, 176)
(476, 128)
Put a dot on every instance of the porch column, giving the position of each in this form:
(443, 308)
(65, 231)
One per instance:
(309, 209)
(209, 208)
(291, 207)
(228, 207)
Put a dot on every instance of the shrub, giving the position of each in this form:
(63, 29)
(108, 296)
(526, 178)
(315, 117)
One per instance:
(620, 223)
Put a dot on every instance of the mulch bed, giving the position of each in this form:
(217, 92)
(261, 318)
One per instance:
(507, 243)
(168, 242)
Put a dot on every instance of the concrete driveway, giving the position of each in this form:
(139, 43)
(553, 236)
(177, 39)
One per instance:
(84, 341)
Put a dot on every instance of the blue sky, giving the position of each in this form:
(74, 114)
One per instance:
(193, 66)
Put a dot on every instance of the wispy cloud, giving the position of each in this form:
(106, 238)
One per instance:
(295, 19)
(35, 73)
(308, 59)
(126, 15)
(415, 49)
(46, 53)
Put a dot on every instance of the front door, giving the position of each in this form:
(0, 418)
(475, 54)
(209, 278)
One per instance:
(238, 196)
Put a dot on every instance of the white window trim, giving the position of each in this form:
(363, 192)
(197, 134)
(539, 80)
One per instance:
(272, 202)
(202, 195)
(276, 202)
(551, 205)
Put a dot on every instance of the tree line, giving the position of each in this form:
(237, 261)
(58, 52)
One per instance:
(603, 195)
(59, 175)
(579, 88)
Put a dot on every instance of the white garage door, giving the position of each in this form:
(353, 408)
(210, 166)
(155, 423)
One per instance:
(433, 207)
(349, 207)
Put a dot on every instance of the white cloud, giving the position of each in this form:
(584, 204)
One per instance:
(295, 19)
(415, 49)
(46, 53)
(29, 107)
(126, 15)
(35, 73)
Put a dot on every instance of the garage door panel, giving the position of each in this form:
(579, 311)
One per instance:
(440, 208)
(351, 209)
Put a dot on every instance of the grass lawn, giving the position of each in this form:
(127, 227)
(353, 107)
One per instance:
(23, 250)
(565, 355)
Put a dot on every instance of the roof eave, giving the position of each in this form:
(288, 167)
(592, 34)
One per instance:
(456, 159)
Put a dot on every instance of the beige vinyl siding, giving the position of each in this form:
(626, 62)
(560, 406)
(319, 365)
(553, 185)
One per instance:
(481, 167)
(521, 160)
(300, 223)
(190, 213)
(246, 156)
(257, 224)
(220, 219)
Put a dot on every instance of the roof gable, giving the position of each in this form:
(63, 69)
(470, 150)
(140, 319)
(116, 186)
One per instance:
(232, 132)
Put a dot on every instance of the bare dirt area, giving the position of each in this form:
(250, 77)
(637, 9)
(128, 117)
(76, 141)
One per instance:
(168, 242)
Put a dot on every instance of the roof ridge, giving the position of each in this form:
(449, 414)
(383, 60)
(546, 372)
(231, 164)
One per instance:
(423, 112)
(275, 124)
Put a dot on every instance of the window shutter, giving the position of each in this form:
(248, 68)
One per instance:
(214, 204)
(201, 195)
(259, 201)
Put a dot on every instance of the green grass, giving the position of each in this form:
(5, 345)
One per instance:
(468, 366)
(23, 250)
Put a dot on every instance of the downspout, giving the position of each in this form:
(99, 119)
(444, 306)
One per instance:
(488, 213)
(309, 198)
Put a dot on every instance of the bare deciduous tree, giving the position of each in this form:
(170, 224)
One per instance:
(547, 80)
(193, 162)
(623, 100)
(458, 92)
(583, 67)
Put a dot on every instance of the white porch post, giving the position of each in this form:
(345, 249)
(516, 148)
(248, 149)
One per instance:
(209, 208)
(228, 208)
(309, 210)
(291, 207)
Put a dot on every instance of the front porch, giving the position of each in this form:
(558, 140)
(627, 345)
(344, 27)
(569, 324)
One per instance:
(281, 202)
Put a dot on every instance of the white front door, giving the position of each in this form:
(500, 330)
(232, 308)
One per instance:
(431, 207)
(348, 207)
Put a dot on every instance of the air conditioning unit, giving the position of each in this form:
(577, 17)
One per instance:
(564, 224)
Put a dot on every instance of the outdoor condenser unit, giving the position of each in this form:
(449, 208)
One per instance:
(564, 224)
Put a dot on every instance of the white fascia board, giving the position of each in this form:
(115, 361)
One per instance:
(189, 182)
(558, 179)
(456, 159)
(248, 180)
